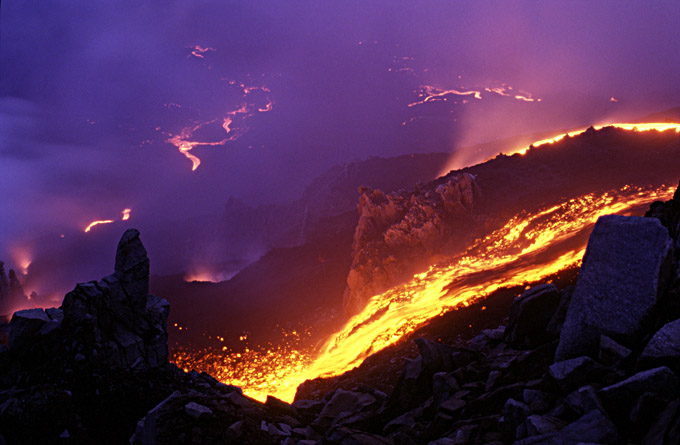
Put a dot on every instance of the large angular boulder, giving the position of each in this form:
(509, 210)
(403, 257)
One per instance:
(530, 315)
(627, 266)
(663, 348)
(24, 325)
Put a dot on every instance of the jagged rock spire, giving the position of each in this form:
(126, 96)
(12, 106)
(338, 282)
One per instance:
(132, 265)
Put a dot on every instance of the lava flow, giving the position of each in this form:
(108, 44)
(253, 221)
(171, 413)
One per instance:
(232, 122)
(527, 248)
(648, 126)
(125, 217)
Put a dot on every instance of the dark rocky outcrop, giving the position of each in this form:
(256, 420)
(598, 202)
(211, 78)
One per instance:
(95, 370)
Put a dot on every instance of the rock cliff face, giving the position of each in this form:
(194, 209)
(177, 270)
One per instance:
(399, 234)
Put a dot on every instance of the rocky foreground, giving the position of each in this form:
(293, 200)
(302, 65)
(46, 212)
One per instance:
(594, 363)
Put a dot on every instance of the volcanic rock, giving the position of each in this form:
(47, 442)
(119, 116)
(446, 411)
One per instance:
(24, 325)
(611, 352)
(536, 425)
(572, 373)
(557, 321)
(343, 408)
(196, 410)
(663, 348)
(530, 314)
(398, 233)
(584, 400)
(594, 427)
(621, 397)
(666, 429)
(626, 267)
(116, 317)
(514, 415)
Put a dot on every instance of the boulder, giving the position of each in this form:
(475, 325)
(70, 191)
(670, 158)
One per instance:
(611, 353)
(666, 428)
(584, 400)
(343, 408)
(620, 397)
(557, 321)
(594, 427)
(347, 436)
(663, 348)
(573, 373)
(626, 267)
(24, 326)
(196, 410)
(514, 415)
(539, 402)
(536, 425)
(530, 314)
(147, 428)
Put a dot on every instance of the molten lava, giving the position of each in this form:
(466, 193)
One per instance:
(429, 93)
(233, 123)
(96, 223)
(125, 216)
(527, 248)
(658, 126)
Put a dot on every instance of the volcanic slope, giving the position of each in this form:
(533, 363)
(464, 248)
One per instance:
(593, 169)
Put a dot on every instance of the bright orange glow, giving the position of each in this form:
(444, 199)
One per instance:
(96, 223)
(125, 216)
(506, 91)
(184, 140)
(658, 126)
(431, 93)
(198, 51)
(22, 258)
(527, 248)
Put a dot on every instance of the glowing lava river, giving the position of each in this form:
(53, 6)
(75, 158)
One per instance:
(526, 248)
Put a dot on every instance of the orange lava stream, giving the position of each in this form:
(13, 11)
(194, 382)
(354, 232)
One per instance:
(527, 248)
(96, 223)
(183, 140)
(432, 93)
(125, 216)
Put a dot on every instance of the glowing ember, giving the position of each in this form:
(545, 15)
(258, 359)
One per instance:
(527, 248)
(126, 214)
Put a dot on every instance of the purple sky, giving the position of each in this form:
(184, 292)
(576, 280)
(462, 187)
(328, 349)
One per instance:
(91, 92)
